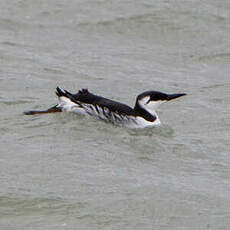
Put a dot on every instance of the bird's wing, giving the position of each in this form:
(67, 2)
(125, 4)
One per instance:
(84, 96)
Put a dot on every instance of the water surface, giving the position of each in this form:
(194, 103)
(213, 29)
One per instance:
(62, 171)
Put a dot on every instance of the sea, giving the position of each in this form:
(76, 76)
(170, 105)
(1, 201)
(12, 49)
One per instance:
(68, 172)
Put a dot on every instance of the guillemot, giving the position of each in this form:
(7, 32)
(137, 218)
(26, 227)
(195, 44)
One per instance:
(142, 115)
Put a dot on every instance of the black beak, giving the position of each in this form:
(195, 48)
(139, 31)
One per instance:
(173, 96)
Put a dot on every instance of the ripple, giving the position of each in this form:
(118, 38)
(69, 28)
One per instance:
(18, 102)
(216, 57)
(22, 207)
(54, 71)
(40, 124)
(7, 43)
(163, 130)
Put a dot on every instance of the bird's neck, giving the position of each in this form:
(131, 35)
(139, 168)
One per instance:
(147, 115)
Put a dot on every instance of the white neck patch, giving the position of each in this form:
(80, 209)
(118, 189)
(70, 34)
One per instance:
(149, 106)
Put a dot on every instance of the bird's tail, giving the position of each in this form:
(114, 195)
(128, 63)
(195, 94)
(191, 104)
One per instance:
(53, 109)
(60, 93)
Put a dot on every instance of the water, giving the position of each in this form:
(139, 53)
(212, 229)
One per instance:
(62, 171)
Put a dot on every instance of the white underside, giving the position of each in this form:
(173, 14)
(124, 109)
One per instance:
(67, 105)
(142, 123)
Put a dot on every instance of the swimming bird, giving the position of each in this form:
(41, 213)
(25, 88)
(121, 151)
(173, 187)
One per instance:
(84, 102)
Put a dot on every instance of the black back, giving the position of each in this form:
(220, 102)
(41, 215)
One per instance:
(85, 96)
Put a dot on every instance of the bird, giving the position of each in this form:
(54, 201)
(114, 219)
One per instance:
(86, 103)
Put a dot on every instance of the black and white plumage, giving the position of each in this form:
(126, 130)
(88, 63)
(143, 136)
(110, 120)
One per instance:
(86, 103)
